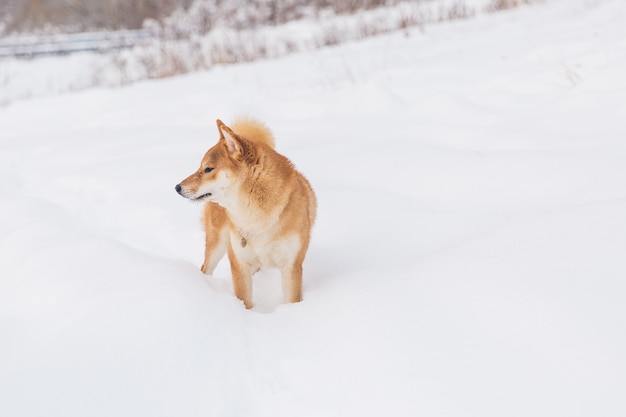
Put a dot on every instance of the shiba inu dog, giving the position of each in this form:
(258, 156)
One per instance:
(258, 208)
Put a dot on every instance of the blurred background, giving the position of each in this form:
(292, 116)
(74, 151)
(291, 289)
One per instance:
(41, 16)
(117, 42)
(81, 15)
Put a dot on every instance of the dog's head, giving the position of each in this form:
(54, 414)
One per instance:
(221, 169)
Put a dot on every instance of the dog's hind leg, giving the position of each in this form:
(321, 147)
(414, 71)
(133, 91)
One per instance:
(217, 231)
(292, 282)
(291, 272)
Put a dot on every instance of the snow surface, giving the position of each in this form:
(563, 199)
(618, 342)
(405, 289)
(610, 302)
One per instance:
(468, 258)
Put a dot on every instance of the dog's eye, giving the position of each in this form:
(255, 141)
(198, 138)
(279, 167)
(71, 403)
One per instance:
(208, 169)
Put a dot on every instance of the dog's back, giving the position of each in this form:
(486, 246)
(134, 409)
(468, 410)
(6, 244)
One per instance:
(257, 131)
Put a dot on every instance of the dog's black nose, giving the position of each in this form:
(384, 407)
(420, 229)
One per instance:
(178, 188)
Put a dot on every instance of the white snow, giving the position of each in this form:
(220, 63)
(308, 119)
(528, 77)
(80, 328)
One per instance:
(468, 258)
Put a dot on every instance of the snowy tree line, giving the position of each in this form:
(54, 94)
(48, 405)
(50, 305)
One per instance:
(50, 16)
(199, 34)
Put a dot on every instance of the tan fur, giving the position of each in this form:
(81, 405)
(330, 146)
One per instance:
(252, 129)
(258, 208)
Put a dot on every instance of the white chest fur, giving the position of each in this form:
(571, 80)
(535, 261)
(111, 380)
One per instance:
(265, 251)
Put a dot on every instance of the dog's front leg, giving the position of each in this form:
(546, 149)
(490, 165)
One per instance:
(215, 248)
(242, 277)
(216, 234)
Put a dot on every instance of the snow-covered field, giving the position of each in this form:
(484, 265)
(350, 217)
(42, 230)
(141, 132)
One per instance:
(469, 257)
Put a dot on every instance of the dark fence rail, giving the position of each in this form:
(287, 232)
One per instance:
(34, 46)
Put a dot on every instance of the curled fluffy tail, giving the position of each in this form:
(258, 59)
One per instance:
(253, 129)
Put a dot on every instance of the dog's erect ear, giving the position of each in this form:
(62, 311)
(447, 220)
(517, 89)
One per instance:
(232, 141)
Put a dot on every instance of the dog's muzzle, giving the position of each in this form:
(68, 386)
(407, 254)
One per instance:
(179, 190)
